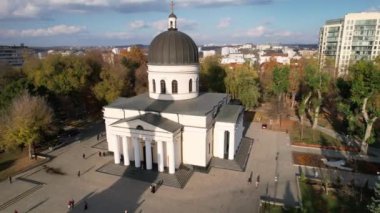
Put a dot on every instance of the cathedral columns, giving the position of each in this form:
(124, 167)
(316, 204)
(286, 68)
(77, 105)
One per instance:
(136, 147)
(116, 153)
(170, 152)
(160, 156)
(148, 153)
(125, 151)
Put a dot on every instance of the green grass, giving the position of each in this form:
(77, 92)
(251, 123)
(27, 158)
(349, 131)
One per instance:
(311, 136)
(315, 200)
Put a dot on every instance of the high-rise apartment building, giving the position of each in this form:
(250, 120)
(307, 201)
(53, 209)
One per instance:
(352, 38)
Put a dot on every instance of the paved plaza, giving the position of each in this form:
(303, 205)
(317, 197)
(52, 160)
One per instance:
(218, 191)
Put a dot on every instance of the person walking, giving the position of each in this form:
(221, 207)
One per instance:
(85, 205)
(78, 173)
(257, 180)
(10, 179)
(84, 156)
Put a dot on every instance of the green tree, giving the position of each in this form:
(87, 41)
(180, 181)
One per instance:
(364, 100)
(317, 83)
(280, 82)
(374, 205)
(212, 75)
(28, 119)
(113, 83)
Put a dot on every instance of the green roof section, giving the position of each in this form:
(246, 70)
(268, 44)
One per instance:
(229, 113)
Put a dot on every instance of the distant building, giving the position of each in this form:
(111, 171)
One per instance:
(13, 55)
(349, 39)
(229, 50)
(207, 53)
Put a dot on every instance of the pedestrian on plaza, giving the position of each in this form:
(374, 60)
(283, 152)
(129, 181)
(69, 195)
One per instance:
(257, 180)
(78, 173)
(85, 205)
(97, 137)
(16, 211)
(10, 179)
(104, 154)
(84, 156)
(72, 203)
(100, 154)
(250, 178)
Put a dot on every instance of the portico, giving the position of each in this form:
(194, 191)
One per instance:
(134, 139)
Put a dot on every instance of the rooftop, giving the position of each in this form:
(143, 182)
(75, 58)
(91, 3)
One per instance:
(200, 105)
(229, 113)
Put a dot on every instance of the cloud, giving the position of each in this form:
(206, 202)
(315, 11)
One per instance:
(374, 9)
(42, 32)
(138, 24)
(118, 35)
(15, 9)
(224, 23)
(183, 24)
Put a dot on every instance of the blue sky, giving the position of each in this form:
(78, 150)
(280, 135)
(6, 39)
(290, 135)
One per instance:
(124, 22)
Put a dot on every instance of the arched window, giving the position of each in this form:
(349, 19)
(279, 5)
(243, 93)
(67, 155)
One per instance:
(174, 87)
(197, 84)
(191, 85)
(163, 87)
(139, 127)
(154, 86)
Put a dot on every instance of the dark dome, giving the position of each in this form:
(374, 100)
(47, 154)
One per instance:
(172, 15)
(173, 47)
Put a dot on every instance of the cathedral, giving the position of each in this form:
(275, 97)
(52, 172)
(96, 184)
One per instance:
(173, 123)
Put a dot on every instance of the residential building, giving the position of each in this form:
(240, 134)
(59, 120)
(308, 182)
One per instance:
(12, 55)
(347, 40)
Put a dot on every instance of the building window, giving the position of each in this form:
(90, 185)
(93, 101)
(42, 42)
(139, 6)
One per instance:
(139, 127)
(191, 85)
(163, 87)
(154, 86)
(174, 87)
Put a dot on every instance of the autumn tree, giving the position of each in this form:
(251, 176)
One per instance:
(295, 77)
(266, 76)
(136, 63)
(27, 120)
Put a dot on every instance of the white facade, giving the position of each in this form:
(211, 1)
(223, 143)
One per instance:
(173, 124)
(346, 40)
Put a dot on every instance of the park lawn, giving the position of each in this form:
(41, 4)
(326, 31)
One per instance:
(315, 200)
(12, 162)
(311, 136)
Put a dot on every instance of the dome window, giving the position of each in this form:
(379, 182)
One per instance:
(154, 86)
(174, 87)
(191, 85)
(163, 87)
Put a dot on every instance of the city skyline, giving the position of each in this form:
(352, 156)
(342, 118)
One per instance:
(124, 22)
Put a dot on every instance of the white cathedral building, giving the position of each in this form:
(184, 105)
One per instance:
(173, 123)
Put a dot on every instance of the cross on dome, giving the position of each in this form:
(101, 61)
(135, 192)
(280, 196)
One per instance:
(172, 22)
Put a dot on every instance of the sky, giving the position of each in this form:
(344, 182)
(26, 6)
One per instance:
(127, 22)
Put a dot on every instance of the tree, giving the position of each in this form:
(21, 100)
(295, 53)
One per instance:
(113, 83)
(365, 97)
(212, 75)
(280, 82)
(317, 83)
(266, 76)
(295, 77)
(374, 205)
(242, 83)
(28, 119)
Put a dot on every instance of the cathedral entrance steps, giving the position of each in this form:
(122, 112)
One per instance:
(241, 157)
(178, 180)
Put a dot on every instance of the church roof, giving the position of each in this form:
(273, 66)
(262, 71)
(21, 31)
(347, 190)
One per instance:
(173, 47)
(201, 105)
(229, 113)
(155, 120)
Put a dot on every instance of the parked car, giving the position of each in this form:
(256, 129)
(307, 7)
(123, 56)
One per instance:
(264, 126)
